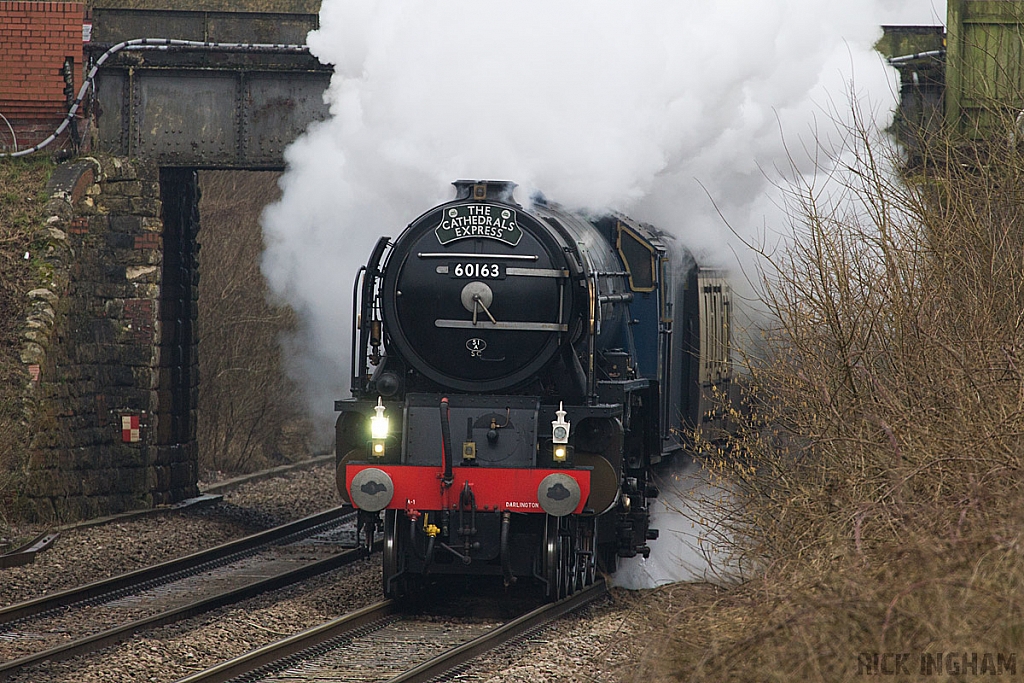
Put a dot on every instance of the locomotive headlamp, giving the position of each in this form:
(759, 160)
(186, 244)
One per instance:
(560, 436)
(560, 427)
(378, 429)
(379, 422)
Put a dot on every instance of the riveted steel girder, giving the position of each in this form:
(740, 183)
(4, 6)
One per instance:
(208, 118)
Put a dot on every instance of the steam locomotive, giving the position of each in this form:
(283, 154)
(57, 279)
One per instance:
(517, 372)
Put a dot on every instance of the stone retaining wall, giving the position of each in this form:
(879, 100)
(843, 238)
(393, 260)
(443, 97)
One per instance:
(93, 346)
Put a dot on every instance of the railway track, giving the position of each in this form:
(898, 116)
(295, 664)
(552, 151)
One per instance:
(84, 619)
(382, 643)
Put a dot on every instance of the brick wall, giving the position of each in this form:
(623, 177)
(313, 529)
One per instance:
(35, 40)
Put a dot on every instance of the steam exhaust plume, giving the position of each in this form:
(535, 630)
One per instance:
(668, 110)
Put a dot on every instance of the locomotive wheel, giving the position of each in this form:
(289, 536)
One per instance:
(608, 558)
(554, 558)
(568, 557)
(586, 558)
(394, 585)
(339, 472)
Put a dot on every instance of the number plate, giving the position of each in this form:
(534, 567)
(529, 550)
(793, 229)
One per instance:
(476, 270)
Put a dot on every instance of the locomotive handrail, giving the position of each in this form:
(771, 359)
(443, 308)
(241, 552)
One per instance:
(537, 272)
(511, 257)
(521, 272)
(504, 325)
(372, 269)
(357, 325)
(593, 293)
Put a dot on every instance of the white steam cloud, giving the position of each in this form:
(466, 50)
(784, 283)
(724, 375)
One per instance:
(652, 107)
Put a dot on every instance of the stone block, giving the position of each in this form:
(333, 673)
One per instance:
(130, 399)
(146, 377)
(53, 232)
(32, 353)
(82, 405)
(126, 224)
(113, 308)
(117, 206)
(99, 223)
(116, 376)
(115, 272)
(59, 206)
(118, 240)
(181, 494)
(42, 311)
(91, 459)
(127, 455)
(146, 290)
(182, 475)
(44, 294)
(136, 479)
(135, 355)
(123, 290)
(95, 354)
(82, 507)
(162, 474)
(72, 179)
(164, 427)
(123, 188)
(145, 206)
(146, 273)
(36, 334)
(116, 504)
(103, 331)
(120, 169)
(147, 169)
(101, 482)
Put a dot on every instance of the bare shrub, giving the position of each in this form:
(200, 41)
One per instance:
(877, 480)
(247, 417)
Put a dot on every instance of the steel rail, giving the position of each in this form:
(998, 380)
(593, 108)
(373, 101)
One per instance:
(165, 571)
(296, 645)
(119, 633)
(26, 554)
(518, 627)
(317, 640)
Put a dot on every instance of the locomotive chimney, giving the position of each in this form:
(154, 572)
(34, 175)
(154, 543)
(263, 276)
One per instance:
(485, 190)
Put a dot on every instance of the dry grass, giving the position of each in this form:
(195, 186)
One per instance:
(876, 486)
(21, 213)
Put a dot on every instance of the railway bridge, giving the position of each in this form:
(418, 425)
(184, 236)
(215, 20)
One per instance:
(112, 346)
